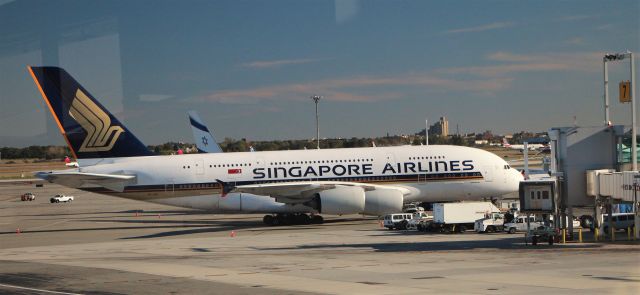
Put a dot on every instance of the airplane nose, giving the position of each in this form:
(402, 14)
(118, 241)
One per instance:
(517, 178)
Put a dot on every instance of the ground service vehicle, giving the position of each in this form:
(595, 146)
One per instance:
(492, 223)
(458, 217)
(396, 220)
(620, 221)
(61, 198)
(543, 233)
(412, 208)
(418, 221)
(27, 197)
(520, 224)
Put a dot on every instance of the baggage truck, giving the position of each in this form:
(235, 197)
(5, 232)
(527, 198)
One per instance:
(458, 217)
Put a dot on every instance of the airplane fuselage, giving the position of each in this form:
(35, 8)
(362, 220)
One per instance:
(423, 173)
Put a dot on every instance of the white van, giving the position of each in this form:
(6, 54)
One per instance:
(621, 221)
(392, 221)
(519, 223)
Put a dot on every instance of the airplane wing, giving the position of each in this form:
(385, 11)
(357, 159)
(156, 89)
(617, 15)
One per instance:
(296, 192)
(74, 178)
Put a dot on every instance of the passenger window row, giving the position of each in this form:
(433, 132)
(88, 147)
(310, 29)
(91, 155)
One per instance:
(426, 158)
(321, 162)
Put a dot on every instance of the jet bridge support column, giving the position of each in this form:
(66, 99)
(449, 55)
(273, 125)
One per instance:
(569, 221)
(597, 221)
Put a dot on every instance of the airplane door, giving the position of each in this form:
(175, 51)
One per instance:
(487, 173)
(199, 166)
(422, 176)
(259, 163)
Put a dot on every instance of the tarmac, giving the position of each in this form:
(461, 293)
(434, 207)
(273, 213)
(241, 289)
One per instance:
(105, 245)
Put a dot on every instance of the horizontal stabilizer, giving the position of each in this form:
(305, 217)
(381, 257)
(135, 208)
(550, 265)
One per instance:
(74, 178)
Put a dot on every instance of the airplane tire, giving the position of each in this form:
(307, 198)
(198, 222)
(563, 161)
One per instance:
(305, 219)
(268, 219)
(317, 219)
(276, 220)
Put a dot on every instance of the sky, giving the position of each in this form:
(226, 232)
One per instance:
(250, 67)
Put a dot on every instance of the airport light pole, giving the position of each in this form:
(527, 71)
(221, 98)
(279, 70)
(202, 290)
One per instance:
(615, 57)
(316, 99)
(426, 132)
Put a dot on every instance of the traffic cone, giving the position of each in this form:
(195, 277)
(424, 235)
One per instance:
(17, 231)
(232, 234)
(380, 223)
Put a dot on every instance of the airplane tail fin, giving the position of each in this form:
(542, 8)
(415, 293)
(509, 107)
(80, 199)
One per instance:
(505, 143)
(90, 130)
(205, 141)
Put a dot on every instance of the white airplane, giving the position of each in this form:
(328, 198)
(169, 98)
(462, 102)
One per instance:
(520, 147)
(287, 185)
(204, 139)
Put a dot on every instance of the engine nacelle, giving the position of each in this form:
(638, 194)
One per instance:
(339, 200)
(383, 201)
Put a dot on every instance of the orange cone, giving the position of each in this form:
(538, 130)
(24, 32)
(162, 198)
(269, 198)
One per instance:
(17, 231)
(232, 234)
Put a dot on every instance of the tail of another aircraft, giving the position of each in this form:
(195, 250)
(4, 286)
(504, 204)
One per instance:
(505, 143)
(89, 129)
(205, 141)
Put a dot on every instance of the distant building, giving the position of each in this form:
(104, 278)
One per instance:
(440, 128)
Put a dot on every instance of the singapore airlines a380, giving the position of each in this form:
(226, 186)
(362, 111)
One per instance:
(300, 183)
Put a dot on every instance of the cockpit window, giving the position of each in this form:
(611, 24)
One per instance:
(507, 167)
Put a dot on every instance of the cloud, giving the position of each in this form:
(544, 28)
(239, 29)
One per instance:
(519, 63)
(604, 27)
(574, 41)
(510, 57)
(154, 97)
(570, 18)
(487, 27)
(472, 80)
(277, 63)
(356, 89)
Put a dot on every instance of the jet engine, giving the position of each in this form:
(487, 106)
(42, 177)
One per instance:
(339, 200)
(383, 201)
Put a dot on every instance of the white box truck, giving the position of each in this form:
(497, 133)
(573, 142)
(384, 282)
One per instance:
(458, 217)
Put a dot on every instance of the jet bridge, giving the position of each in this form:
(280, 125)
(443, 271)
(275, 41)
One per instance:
(614, 187)
(574, 151)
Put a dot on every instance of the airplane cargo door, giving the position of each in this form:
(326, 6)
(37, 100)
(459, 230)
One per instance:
(169, 187)
(487, 173)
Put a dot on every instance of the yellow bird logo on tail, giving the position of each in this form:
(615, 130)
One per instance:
(101, 136)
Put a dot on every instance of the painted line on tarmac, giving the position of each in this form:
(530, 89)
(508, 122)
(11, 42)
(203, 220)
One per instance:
(37, 290)
(46, 225)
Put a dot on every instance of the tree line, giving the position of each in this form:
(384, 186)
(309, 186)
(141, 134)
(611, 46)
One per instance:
(244, 145)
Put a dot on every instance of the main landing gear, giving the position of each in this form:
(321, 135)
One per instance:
(292, 219)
